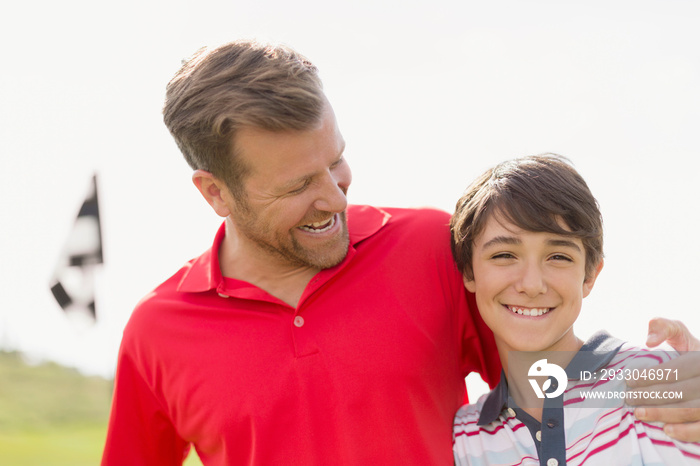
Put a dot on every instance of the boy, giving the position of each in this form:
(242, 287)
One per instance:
(528, 239)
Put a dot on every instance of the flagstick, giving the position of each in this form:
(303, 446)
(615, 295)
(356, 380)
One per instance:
(4, 343)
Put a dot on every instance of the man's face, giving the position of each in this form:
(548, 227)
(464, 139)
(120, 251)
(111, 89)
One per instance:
(294, 208)
(529, 286)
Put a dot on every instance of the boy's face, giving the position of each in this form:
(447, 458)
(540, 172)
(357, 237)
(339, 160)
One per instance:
(529, 286)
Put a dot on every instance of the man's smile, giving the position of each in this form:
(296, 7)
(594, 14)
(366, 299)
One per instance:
(319, 227)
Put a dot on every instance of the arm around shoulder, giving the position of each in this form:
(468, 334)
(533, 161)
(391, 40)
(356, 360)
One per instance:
(682, 415)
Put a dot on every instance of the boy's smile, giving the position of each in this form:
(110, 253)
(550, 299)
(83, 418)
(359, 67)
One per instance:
(526, 311)
(529, 286)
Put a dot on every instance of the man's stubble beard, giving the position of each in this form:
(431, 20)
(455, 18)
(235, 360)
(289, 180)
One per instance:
(286, 247)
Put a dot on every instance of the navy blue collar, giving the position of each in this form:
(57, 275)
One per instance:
(595, 353)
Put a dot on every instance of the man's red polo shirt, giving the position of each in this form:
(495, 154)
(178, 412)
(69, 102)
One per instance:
(368, 369)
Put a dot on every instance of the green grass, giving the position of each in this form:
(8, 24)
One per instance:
(52, 415)
(70, 446)
(193, 459)
(48, 396)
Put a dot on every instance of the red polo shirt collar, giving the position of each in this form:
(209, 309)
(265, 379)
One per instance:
(204, 273)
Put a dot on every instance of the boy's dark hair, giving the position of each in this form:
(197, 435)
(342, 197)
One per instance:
(534, 193)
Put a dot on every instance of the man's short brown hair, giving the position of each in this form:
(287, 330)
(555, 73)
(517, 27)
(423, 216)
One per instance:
(239, 84)
(534, 193)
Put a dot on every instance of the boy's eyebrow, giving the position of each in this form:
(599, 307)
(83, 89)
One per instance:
(501, 240)
(563, 242)
(515, 240)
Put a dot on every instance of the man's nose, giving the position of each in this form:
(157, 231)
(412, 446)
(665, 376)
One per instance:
(333, 194)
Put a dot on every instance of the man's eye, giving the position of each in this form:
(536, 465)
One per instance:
(338, 162)
(299, 189)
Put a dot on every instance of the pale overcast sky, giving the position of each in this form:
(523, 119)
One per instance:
(428, 95)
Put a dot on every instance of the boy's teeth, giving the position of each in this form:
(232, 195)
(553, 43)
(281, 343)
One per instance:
(529, 311)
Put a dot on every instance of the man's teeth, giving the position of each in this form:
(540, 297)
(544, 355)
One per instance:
(319, 227)
(529, 311)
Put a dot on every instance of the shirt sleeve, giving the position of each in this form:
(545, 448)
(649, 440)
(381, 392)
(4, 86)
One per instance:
(655, 447)
(475, 339)
(630, 440)
(658, 448)
(479, 353)
(140, 431)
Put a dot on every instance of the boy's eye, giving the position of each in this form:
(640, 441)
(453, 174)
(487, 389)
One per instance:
(503, 255)
(561, 257)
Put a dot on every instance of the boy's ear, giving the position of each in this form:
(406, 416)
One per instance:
(469, 284)
(214, 191)
(589, 282)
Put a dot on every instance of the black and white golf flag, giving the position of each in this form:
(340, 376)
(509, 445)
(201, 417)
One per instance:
(72, 283)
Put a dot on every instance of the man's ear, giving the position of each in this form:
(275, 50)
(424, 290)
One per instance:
(589, 282)
(469, 284)
(214, 191)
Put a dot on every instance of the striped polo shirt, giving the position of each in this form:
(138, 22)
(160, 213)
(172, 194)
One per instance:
(573, 430)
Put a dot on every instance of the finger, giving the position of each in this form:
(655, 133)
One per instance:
(671, 395)
(672, 331)
(688, 432)
(687, 411)
(683, 367)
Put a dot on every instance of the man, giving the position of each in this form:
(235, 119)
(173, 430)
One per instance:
(312, 332)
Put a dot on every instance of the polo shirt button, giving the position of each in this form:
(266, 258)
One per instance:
(223, 295)
(552, 423)
(299, 321)
(538, 435)
(552, 462)
(511, 413)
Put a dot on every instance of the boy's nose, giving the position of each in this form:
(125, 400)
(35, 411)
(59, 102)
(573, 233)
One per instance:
(532, 281)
